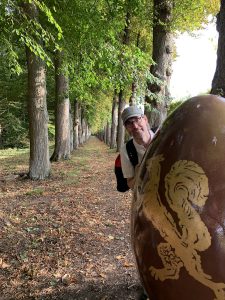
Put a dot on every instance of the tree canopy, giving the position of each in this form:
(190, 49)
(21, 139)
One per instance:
(90, 34)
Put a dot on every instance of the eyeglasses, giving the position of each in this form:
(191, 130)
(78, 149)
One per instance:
(137, 120)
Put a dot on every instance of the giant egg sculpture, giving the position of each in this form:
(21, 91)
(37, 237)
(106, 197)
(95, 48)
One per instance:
(178, 210)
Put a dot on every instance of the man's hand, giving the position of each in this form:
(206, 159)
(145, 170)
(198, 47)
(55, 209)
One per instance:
(131, 181)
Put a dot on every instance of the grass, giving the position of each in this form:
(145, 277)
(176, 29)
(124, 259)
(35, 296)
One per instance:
(14, 160)
(35, 192)
(17, 161)
(13, 152)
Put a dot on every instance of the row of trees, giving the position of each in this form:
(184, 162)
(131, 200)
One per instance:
(83, 61)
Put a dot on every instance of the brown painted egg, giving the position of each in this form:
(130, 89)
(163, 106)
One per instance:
(178, 210)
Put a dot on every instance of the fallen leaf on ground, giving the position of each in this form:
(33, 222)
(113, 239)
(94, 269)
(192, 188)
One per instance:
(127, 264)
(119, 257)
(3, 265)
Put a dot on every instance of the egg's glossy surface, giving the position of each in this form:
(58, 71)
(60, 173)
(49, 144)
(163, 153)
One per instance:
(178, 210)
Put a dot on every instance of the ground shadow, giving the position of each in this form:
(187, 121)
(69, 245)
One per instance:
(95, 291)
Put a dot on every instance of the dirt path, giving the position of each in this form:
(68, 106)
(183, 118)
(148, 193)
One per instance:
(67, 237)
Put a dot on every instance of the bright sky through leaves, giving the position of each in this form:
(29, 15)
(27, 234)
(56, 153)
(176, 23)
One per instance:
(195, 64)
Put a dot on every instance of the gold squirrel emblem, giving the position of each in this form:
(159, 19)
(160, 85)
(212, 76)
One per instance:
(186, 183)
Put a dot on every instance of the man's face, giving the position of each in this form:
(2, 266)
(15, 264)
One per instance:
(137, 126)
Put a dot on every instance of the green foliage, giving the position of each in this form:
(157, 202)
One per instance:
(174, 105)
(18, 28)
(47, 12)
(51, 132)
(13, 113)
(99, 112)
(98, 60)
(14, 132)
(9, 53)
(90, 34)
(190, 15)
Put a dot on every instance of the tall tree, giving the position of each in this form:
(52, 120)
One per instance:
(62, 115)
(39, 167)
(114, 121)
(122, 102)
(162, 57)
(134, 86)
(75, 125)
(218, 83)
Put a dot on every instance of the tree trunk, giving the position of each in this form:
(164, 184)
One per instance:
(83, 125)
(1, 142)
(108, 132)
(39, 166)
(80, 127)
(88, 133)
(71, 128)
(159, 96)
(114, 122)
(218, 83)
(75, 125)
(134, 87)
(62, 117)
(133, 96)
(122, 102)
(120, 127)
(105, 134)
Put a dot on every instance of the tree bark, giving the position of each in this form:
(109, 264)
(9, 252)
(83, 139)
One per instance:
(87, 130)
(105, 134)
(133, 96)
(80, 126)
(114, 122)
(122, 102)
(134, 87)
(159, 95)
(218, 83)
(108, 133)
(39, 165)
(62, 116)
(120, 127)
(75, 125)
(1, 143)
(83, 125)
(71, 128)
